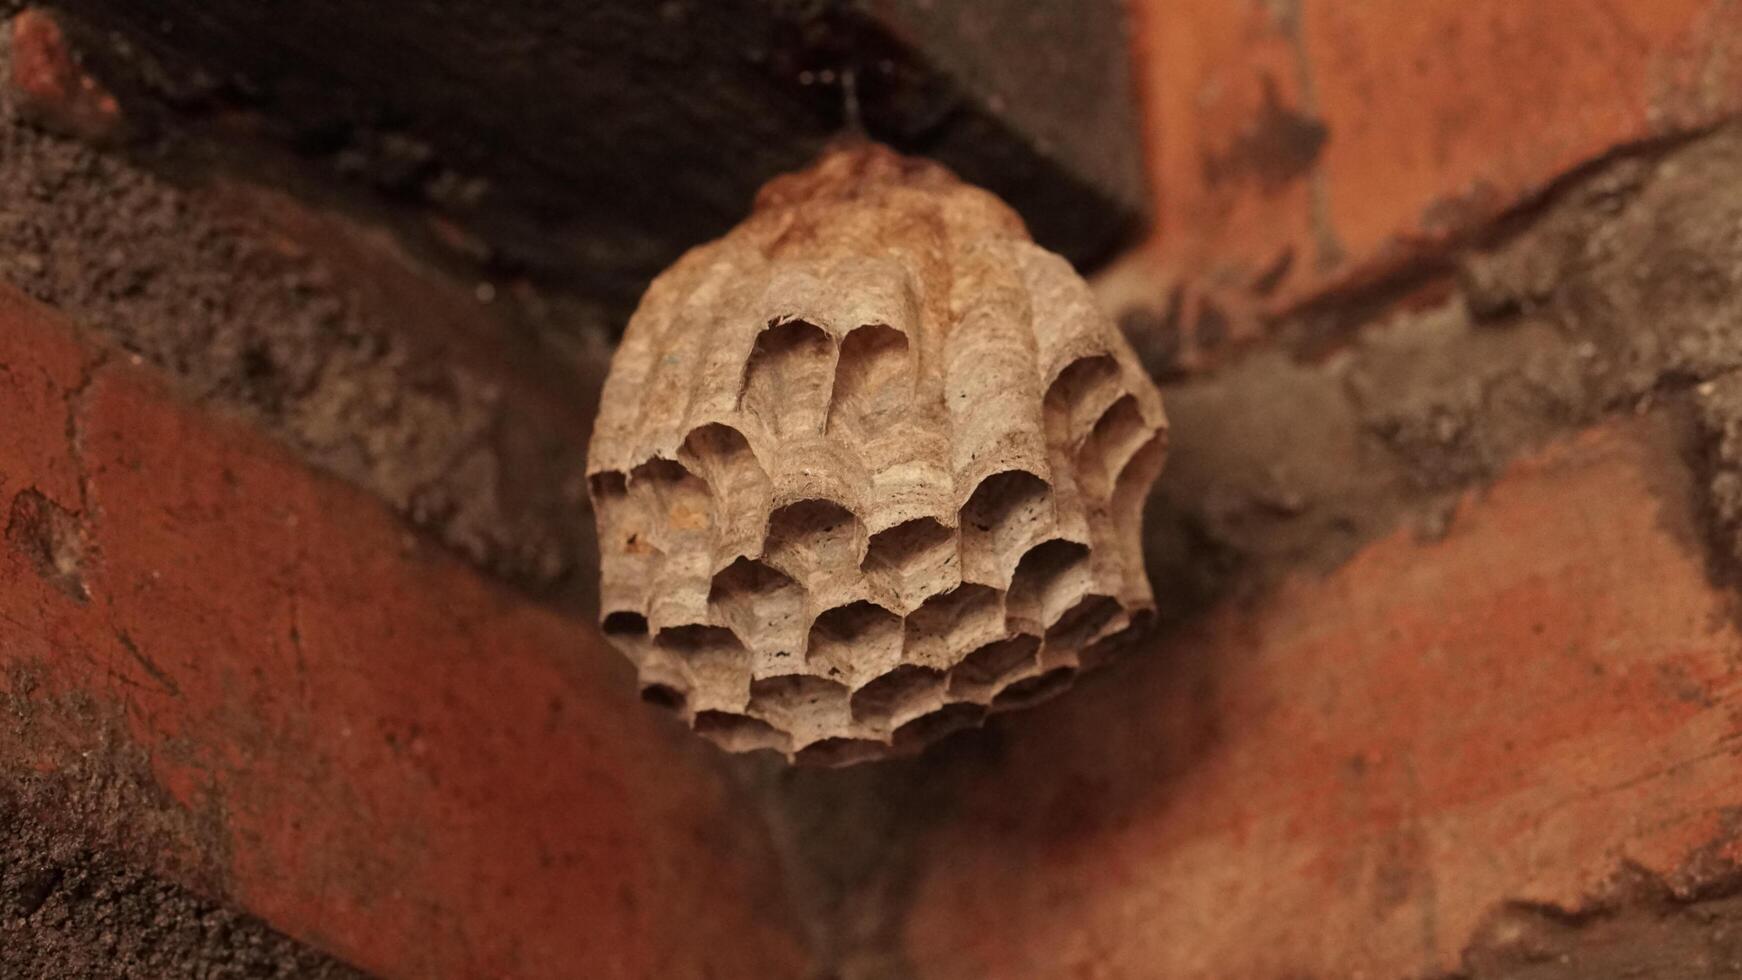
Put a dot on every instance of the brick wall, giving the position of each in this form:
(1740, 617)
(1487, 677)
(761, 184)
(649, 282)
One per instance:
(1445, 303)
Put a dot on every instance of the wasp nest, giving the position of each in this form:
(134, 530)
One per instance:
(870, 467)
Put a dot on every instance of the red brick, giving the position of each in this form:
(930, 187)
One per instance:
(1437, 115)
(417, 771)
(1348, 777)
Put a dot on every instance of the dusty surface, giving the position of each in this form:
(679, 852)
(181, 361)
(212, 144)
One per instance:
(1301, 148)
(372, 367)
(334, 724)
(1642, 929)
(869, 469)
(76, 896)
(1618, 293)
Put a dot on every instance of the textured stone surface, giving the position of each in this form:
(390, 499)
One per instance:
(869, 467)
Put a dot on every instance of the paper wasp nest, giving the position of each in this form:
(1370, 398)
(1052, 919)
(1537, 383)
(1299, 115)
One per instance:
(868, 468)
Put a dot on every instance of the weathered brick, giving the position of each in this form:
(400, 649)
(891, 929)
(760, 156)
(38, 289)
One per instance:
(409, 767)
(1301, 145)
(1354, 775)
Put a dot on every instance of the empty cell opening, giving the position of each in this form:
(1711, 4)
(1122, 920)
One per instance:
(711, 656)
(989, 665)
(855, 638)
(663, 695)
(1117, 436)
(621, 519)
(1083, 621)
(724, 458)
(678, 498)
(897, 694)
(823, 530)
(696, 639)
(929, 728)
(914, 559)
(1132, 487)
(1052, 577)
(759, 603)
(872, 379)
(1108, 647)
(739, 733)
(716, 443)
(1033, 690)
(791, 698)
(608, 485)
(1080, 395)
(1129, 495)
(1006, 512)
(921, 544)
(624, 623)
(832, 752)
(967, 616)
(788, 377)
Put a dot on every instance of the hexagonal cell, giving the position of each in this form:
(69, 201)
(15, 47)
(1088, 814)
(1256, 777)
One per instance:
(873, 381)
(896, 696)
(664, 696)
(722, 456)
(738, 733)
(1031, 691)
(982, 671)
(1006, 514)
(681, 512)
(818, 542)
(1130, 491)
(1112, 645)
(681, 500)
(716, 664)
(858, 640)
(760, 605)
(788, 378)
(798, 703)
(1079, 396)
(912, 560)
(945, 627)
(626, 550)
(927, 729)
(624, 623)
(1084, 621)
(1052, 577)
(832, 753)
(1116, 437)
